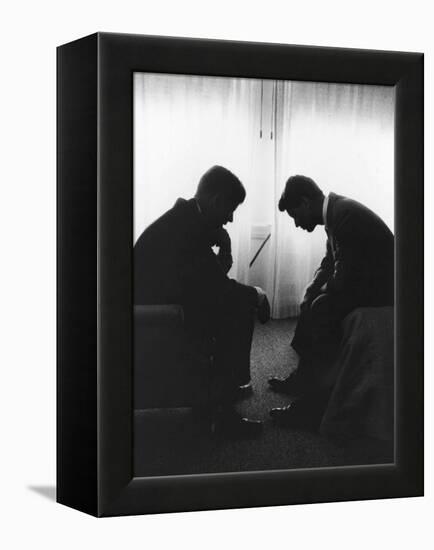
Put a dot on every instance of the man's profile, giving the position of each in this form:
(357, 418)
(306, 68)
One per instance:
(174, 263)
(356, 271)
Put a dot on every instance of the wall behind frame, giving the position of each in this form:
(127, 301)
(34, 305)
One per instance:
(31, 33)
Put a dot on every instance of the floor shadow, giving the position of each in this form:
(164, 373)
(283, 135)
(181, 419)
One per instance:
(47, 491)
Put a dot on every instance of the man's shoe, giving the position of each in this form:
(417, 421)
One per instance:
(244, 391)
(264, 311)
(303, 414)
(288, 416)
(280, 385)
(233, 425)
(288, 386)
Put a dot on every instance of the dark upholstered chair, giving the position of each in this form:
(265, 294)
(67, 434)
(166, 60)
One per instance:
(362, 400)
(170, 369)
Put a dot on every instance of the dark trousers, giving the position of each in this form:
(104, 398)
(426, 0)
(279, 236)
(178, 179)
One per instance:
(317, 337)
(230, 331)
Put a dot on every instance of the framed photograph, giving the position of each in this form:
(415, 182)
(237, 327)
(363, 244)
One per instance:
(240, 274)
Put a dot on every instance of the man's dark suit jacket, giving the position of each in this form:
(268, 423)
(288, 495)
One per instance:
(174, 264)
(359, 263)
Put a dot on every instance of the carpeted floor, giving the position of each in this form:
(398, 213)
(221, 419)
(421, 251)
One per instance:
(170, 441)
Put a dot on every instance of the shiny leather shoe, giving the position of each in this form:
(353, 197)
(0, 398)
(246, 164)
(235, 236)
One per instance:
(304, 414)
(244, 391)
(234, 426)
(288, 416)
(287, 386)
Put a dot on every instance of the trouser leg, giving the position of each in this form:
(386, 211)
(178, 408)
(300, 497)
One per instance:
(317, 338)
(302, 340)
(233, 344)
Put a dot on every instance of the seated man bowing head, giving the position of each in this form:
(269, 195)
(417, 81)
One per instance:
(357, 271)
(174, 263)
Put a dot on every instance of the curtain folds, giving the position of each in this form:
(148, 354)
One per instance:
(183, 125)
(340, 135)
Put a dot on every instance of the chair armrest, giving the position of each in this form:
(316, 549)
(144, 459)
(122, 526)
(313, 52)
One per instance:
(157, 316)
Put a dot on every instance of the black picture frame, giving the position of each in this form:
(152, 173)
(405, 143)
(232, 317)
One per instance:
(95, 183)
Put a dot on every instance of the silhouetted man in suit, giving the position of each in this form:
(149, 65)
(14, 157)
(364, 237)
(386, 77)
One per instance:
(174, 263)
(357, 271)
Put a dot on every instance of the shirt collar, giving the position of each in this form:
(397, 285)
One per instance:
(325, 205)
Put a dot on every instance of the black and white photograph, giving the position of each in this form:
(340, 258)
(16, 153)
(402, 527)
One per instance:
(217, 265)
(263, 274)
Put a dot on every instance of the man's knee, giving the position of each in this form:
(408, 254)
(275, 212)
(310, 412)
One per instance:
(322, 305)
(238, 310)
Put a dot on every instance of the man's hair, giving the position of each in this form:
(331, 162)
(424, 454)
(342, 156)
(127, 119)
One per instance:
(220, 181)
(296, 188)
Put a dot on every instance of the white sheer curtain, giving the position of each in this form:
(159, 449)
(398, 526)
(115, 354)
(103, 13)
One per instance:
(183, 125)
(342, 136)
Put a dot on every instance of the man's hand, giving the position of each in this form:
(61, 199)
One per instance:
(225, 261)
(305, 304)
(310, 295)
(222, 240)
(263, 308)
